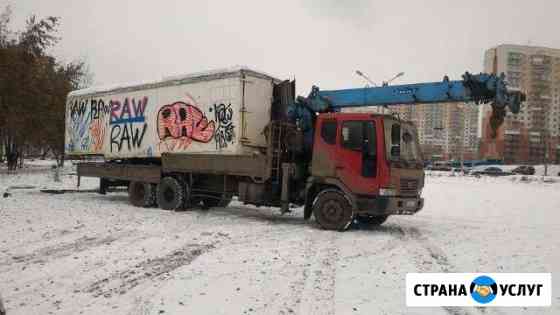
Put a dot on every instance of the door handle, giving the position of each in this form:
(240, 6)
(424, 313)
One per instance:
(339, 167)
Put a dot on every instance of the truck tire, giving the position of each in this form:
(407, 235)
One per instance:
(170, 194)
(141, 194)
(372, 219)
(332, 210)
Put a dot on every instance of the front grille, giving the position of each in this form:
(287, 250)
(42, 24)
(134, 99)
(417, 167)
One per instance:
(409, 186)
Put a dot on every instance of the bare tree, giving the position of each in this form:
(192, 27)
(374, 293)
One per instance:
(33, 88)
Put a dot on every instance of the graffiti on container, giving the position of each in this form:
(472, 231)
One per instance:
(225, 130)
(128, 123)
(150, 151)
(97, 133)
(97, 126)
(87, 125)
(181, 123)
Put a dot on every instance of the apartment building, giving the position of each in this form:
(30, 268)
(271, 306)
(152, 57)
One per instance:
(446, 131)
(532, 136)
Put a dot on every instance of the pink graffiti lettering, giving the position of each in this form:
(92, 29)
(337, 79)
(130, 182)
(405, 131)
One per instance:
(97, 131)
(181, 123)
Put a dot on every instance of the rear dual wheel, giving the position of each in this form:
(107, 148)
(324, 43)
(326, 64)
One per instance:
(171, 193)
(142, 194)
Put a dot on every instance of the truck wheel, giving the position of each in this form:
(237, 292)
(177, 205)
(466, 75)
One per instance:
(170, 194)
(332, 210)
(372, 219)
(141, 194)
(213, 202)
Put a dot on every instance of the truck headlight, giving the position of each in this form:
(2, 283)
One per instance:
(387, 192)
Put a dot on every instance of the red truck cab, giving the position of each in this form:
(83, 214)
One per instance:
(364, 166)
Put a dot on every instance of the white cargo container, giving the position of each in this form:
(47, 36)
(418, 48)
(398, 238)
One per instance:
(223, 112)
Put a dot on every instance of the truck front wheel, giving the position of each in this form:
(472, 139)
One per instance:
(170, 193)
(332, 210)
(141, 194)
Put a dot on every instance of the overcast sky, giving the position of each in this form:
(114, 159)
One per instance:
(319, 42)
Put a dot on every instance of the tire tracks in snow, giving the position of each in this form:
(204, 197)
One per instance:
(313, 280)
(275, 231)
(426, 254)
(313, 291)
(45, 254)
(152, 271)
(320, 287)
(428, 257)
(121, 282)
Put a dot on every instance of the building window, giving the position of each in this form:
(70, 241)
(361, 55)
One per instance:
(515, 59)
(514, 78)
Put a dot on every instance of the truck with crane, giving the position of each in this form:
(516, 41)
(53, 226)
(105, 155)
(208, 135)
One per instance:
(204, 138)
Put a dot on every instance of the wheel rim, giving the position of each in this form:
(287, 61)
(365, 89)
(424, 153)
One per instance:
(333, 211)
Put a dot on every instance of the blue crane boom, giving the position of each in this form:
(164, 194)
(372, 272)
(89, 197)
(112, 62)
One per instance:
(479, 89)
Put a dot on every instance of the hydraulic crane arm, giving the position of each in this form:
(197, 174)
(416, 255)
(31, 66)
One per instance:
(480, 89)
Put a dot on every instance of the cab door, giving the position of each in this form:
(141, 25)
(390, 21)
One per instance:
(357, 165)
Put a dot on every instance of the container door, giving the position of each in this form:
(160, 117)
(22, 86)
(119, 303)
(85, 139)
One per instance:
(357, 165)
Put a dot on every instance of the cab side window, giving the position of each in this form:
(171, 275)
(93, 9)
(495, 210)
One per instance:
(328, 131)
(369, 138)
(360, 136)
(352, 135)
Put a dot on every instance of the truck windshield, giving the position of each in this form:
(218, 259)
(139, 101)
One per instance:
(401, 140)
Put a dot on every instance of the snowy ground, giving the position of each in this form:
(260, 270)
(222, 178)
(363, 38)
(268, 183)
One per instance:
(84, 253)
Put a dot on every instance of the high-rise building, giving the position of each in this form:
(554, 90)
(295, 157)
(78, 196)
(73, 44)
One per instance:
(532, 135)
(446, 131)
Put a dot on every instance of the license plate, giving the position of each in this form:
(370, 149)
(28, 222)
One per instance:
(410, 204)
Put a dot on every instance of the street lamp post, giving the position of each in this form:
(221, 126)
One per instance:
(384, 83)
(361, 74)
(398, 75)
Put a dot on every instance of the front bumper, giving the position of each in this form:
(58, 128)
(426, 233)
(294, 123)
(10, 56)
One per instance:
(389, 205)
